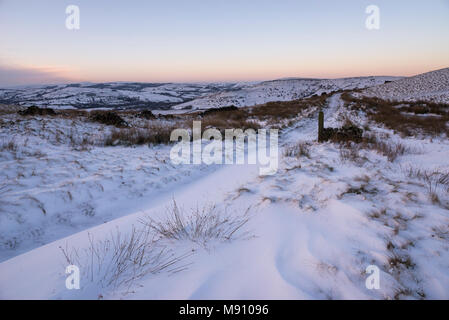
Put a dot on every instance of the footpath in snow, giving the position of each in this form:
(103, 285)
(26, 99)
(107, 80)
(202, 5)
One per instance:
(314, 228)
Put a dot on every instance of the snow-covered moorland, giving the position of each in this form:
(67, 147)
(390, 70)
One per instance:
(431, 86)
(110, 95)
(279, 90)
(176, 97)
(140, 227)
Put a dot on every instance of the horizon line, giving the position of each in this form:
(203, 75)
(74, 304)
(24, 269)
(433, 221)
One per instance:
(69, 82)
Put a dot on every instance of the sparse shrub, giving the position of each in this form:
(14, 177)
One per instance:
(343, 134)
(109, 118)
(3, 190)
(441, 232)
(146, 114)
(221, 109)
(389, 149)
(395, 114)
(36, 111)
(156, 134)
(201, 226)
(123, 259)
(350, 152)
(168, 116)
(301, 149)
(435, 180)
(279, 110)
(228, 118)
(9, 145)
(222, 123)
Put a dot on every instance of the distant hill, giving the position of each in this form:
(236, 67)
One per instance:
(280, 90)
(110, 95)
(178, 97)
(430, 86)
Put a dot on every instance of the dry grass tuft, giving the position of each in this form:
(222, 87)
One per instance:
(154, 134)
(391, 150)
(8, 145)
(123, 259)
(435, 180)
(350, 152)
(108, 118)
(201, 226)
(301, 149)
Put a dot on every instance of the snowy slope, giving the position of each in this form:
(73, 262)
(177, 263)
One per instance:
(110, 95)
(280, 90)
(51, 187)
(317, 224)
(181, 97)
(430, 86)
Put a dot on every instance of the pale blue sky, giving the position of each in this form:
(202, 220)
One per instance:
(218, 40)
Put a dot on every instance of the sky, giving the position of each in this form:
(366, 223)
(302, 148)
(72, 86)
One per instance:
(217, 40)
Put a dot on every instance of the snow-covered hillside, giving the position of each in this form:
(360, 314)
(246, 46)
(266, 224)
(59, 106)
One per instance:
(314, 227)
(179, 97)
(431, 86)
(280, 90)
(110, 95)
(52, 186)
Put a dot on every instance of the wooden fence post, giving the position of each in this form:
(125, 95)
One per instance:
(320, 126)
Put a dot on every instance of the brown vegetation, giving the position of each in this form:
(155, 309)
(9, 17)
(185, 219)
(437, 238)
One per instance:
(286, 109)
(36, 111)
(108, 118)
(405, 117)
(152, 134)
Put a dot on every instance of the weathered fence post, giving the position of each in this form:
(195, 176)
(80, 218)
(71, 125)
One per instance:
(320, 126)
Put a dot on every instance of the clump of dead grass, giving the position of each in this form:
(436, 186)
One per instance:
(8, 145)
(301, 149)
(200, 226)
(122, 259)
(153, 134)
(435, 180)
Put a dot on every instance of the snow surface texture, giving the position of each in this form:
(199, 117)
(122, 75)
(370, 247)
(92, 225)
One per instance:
(280, 90)
(51, 186)
(315, 226)
(431, 86)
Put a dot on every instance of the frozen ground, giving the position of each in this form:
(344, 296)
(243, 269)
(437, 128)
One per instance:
(313, 227)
